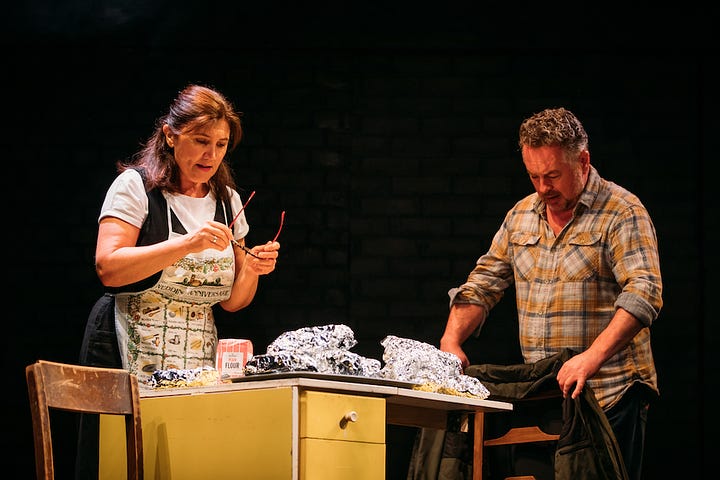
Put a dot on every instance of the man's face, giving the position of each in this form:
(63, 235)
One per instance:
(558, 180)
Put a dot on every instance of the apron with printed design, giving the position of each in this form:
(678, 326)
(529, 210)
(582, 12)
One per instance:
(171, 324)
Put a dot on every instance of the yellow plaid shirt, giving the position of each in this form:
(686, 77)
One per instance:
(568, 287)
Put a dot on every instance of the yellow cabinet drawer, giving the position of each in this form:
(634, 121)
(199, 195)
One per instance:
(336, 460)
(332, 416)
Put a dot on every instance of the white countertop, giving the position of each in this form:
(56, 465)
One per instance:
(398, 393)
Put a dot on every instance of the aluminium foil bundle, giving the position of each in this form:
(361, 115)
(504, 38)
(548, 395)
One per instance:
(412, 361)
(323, 349)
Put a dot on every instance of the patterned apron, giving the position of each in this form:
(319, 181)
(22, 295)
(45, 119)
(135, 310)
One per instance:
(171, 324)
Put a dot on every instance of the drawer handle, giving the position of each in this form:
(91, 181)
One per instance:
(351, 416)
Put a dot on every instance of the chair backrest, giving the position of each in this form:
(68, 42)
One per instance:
(82, 389)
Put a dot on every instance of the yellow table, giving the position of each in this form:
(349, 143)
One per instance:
(298, 428)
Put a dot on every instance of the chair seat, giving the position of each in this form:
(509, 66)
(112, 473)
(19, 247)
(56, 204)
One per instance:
(517, 435)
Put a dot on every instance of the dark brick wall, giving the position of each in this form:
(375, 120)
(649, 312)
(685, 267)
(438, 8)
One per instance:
(393, 152)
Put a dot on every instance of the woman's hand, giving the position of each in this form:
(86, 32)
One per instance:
(262, 259)
(251, 263)
(213, 234)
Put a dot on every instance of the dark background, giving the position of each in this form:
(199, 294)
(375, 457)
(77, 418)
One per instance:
(388, 133)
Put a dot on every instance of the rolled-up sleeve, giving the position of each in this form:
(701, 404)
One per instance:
(636, 264)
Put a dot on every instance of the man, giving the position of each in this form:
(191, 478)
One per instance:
(582, 254)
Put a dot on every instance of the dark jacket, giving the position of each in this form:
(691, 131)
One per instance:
(587, 448)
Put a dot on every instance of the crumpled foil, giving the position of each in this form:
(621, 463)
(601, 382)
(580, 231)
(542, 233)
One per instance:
(314, 338)
(326, 349)
(417, 362)
(323, 349)
(177, 377)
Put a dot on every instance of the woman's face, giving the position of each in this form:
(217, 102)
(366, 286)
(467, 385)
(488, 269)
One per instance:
(199, 152)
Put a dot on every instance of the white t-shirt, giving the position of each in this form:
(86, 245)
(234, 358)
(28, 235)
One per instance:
(126, 199)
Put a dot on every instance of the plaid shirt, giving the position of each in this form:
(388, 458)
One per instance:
(568, 287)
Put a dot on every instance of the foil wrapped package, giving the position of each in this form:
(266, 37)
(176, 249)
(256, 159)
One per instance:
(323, 349)
(176, 377)
(437, 371)
(314, 339)
(326, 349)
(280, 362)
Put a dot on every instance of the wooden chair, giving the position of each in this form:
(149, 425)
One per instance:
(527, 433)
(82, 389)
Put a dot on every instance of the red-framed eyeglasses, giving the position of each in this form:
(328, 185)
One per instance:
(243, 247)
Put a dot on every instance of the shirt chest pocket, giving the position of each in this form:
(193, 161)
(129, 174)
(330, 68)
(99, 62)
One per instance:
(575, 260)
(581, 257)
(525, 254)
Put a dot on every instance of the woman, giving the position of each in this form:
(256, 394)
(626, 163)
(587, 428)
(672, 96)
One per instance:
(169, 246)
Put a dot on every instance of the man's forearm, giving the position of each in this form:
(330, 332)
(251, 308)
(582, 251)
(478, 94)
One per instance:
(463, 320)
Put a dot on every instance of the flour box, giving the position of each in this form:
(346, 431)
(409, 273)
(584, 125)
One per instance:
(232, 355)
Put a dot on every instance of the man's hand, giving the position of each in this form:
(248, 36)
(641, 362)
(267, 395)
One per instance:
(574, 373)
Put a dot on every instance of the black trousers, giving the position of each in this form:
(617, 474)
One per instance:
(99, 348)
(628, 419)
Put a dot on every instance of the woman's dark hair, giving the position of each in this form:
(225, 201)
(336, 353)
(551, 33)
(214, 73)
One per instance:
(194, 107)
